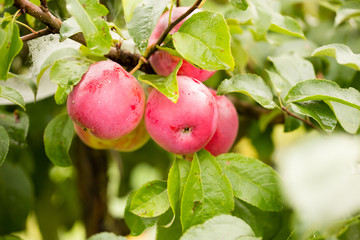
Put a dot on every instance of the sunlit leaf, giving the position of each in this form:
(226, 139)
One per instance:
(293, 68)
(10, 46)
(129, 7)
(249, 84)
(55, 56)
(151, 200)
(326, 90)
(207, 191)
(12, 95)
(137, 224)
(349, 117)
(240, 4)
(95, 30)
(346, 11)
(68, 28)
(253, 181)
(286, 25)
(341, 53)
(204, 40)
(166, 85)
(176, 181)
(142, 24)
(66, 73)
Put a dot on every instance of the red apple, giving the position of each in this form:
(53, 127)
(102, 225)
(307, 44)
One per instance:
(184, 127)
(227, 126)
(108, 101)
(128, 143)
(163, 62)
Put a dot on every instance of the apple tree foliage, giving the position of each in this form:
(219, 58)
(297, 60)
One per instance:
(292, 64)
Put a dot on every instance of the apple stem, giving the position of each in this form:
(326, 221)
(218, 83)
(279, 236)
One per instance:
(177, 3)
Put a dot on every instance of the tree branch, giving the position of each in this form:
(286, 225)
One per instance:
(306, 121)
(124, 58)
(39, 33)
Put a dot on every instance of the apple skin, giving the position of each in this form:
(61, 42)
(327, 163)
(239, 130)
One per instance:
(227, 126)
(108, 101)
(163, 62)
(128, 143)
(187, 126)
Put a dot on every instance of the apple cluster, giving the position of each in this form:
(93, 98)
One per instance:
(110, 111)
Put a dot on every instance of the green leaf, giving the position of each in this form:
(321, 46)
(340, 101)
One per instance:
(10, 46)
(280, 85)
(261, 18)
(12, 95)
(4, 144)
(266, 224)
(251, 85)
(151, 200)
(216, 227)
(142, 24)
(286, 25)
(95, 30)
(106, 236)
(252, 180)
(319, 111)
(55, 56)
(66, 73)
(166, 232)
(315, 89)
(129, 7)
(57, 140)
(169, 50)
(341, 53)
(176, 182)
(16, 198)
(204, 40)
(207, 191)
(68, 28)
(293, 68)
(166, 85)
(16, 125)
(348, 117)
(137, 224)
(291, 124)
(348, 10)
(61, 94)
(240, 4)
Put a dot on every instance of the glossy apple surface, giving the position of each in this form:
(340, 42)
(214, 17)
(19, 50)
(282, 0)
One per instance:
(128, 143)
(108, 101)
(227, 126)
(184, 127)
(163, 62)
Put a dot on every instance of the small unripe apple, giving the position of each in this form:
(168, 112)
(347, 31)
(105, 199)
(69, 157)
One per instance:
(227, 126)
(163, 62)
(108, 101)
(184, 127)
(128, 143)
